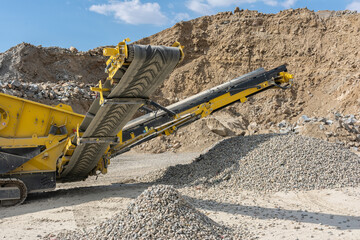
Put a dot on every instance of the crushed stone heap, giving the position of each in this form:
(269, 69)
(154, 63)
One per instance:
(160, 212)
(269, 163)
(51, 75)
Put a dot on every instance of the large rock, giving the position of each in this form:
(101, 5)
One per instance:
(217, 127)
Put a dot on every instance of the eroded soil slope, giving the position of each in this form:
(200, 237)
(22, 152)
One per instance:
(320, 49)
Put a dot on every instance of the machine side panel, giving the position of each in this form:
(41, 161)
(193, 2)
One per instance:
(9, 162)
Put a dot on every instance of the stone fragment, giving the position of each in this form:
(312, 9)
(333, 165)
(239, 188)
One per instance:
(304, 119)
(16, 83)
(217, 127)
(177, 145)
(350, 120)
(283, 124)
(328, 122)
(329, 134)
(73, 49)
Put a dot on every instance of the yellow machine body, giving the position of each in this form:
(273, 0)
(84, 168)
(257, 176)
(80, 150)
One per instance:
(28, 124)
(47, 136)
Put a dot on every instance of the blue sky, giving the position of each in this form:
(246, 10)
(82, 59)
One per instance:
(86, 24)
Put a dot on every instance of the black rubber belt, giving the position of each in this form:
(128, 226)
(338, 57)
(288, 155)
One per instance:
(147, 71)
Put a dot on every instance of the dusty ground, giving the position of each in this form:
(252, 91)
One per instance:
(319, 214)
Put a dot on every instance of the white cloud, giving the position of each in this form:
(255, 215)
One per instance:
(288, 3)
(355, 6)
(199, 6)
(223, 3)
(132, 12)
(271, 2)
(181, 17)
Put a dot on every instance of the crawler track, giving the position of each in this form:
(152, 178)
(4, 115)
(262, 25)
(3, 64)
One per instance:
(9, 182)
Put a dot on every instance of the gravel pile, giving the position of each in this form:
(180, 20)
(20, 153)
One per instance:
(269, 163)
(61, 91)
(160, 212)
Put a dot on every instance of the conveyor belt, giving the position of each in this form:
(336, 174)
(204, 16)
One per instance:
(147, 71)
(234, 86)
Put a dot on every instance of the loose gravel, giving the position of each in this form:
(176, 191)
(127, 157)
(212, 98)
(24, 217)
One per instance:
(260, 163)
(160, 212)
(268, 163)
